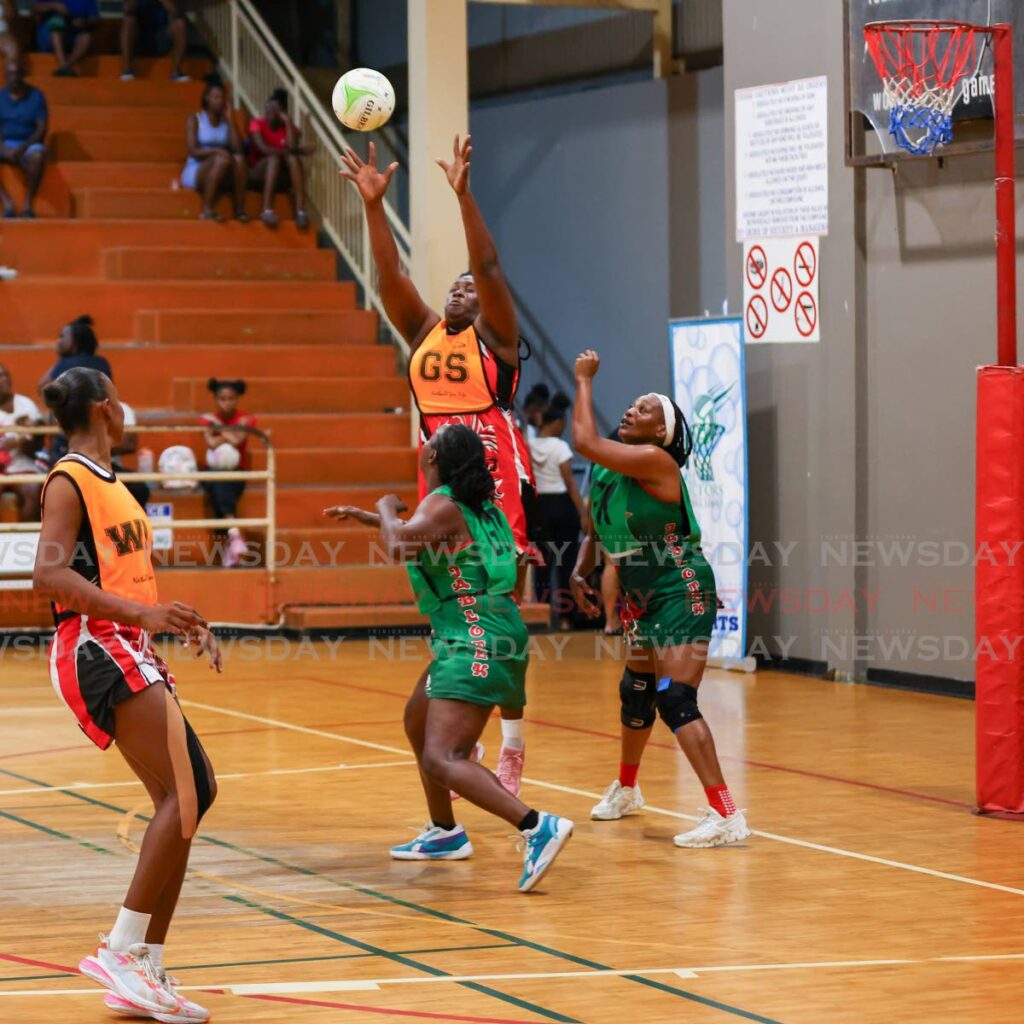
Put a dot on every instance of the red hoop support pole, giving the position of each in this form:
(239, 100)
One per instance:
(1006, 210)
(999, 501)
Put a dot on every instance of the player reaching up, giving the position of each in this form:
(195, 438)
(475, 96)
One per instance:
(464, 366)
(641, 514)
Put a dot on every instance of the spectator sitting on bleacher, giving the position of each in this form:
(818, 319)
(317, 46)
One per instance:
(214, 152)
(8, 44)
(23, 120)
(275, 159)
(18, 451)
(65, 29)
(157, 15)
(77, 346)
(227, 449)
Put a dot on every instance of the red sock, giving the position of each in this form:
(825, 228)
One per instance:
(628, 774)
(721, 800)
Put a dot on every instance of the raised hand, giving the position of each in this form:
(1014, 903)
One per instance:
(587, 364)
(457, 171)
(371, 182)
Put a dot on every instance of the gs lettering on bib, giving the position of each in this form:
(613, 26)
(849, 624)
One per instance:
(448, 375)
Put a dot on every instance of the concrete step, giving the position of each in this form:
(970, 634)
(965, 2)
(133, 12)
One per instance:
(130, 118)
(114, 146)
(109, 66)
(145, 374)
(169, 204)
(73, 248)
(39, 307)
(111, 92)
(305, 394)
(250, 264)
(256, 326)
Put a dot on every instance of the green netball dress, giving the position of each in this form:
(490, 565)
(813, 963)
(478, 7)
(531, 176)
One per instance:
(667, 582)
(479, 644)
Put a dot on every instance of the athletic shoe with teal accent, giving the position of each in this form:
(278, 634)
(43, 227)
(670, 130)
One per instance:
(435, 843)
(543, 845)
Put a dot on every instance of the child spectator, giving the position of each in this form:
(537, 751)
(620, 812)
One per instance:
(227, 445)
(156, 14)
(214, 152)
(275, 159)
(65, 29)
(23, 121)
(561, 508)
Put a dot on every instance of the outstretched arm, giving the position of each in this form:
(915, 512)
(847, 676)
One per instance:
(435, 521)
(412, 317)
(497, 321)
(648, 463)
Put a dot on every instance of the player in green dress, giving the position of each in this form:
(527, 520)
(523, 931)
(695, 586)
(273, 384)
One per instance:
(642, 517)
(462, 564)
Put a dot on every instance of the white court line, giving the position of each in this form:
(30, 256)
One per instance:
(374, 984)
(74, 787)
(788, 840)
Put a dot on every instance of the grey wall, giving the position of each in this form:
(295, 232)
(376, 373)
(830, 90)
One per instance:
(575, 188)
(869, 436)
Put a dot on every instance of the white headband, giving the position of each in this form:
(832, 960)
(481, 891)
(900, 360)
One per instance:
(670, 418)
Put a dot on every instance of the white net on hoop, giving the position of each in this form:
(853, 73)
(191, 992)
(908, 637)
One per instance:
(921, 64)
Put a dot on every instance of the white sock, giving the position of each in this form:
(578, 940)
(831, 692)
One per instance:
(512, 733)
(156, 954)
(129, 928)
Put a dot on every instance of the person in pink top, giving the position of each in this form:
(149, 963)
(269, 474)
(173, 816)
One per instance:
(275, 159)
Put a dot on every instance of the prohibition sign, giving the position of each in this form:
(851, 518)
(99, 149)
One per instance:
(757, 267)
(806, 313)
(782, 289)
(757, 316)
(805, 264)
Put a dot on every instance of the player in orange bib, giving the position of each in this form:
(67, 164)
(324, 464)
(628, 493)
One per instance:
(464, 366)
(95, 561)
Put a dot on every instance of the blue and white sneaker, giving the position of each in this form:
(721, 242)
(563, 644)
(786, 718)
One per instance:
(543, 845)
(435, 843)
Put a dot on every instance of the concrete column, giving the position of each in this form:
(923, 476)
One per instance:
(438, 109)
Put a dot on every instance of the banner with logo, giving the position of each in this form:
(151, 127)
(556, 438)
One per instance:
(710, 387)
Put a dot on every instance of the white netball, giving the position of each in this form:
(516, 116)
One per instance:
(224, 457)
(363, 100)
(178, 459)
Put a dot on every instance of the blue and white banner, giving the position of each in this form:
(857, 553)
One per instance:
(710, 387)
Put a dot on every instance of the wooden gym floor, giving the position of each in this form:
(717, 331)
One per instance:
(869, 893)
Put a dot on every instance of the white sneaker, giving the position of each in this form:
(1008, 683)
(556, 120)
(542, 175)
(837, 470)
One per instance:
(188, 1012)
(510, 769)
(714, 830)
(476, 757)
(617, 802)
(130, 975)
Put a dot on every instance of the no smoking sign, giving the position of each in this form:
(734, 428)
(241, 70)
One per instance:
(780, 290)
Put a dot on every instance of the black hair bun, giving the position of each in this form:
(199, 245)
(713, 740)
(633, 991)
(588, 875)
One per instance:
(560, 401)
(213, 385)
(56, 393)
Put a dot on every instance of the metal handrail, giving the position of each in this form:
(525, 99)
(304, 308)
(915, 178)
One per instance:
(255, 63)
(268, 476)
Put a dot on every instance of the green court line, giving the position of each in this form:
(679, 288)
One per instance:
(38, 977)
(439, 914)
(398, 958)
(53, 832)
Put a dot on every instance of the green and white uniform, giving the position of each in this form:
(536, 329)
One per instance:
(667, 582)
(479, 644)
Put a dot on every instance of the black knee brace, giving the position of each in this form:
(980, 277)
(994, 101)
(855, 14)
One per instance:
(636, 692)
(677, 704)
(200, 775)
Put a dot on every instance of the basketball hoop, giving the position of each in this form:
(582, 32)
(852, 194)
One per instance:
(920, 64)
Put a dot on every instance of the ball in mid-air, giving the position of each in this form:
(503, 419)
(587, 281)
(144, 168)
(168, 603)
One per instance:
(363, 100)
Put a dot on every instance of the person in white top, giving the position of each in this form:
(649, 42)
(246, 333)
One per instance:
(17, 450)
(561, 507)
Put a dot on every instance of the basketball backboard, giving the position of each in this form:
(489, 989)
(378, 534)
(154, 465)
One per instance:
(867, 136)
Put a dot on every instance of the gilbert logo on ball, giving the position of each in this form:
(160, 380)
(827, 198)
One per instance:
(363, 100)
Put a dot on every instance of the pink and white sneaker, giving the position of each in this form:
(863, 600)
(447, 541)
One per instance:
(510, 769)
(130, 975)
(478, 755)
(236, 548)
(188, 1012)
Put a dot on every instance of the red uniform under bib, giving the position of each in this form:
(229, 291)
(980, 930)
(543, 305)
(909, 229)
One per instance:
(456, 378)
